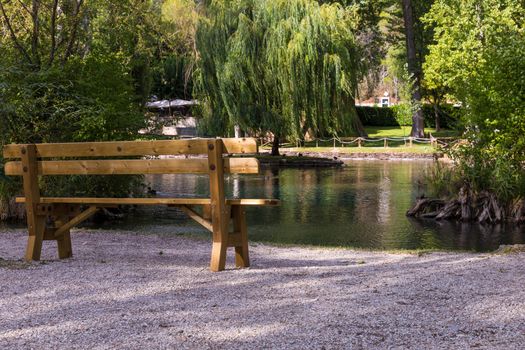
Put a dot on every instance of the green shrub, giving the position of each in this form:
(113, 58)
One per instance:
(385, 116)
(85, 100)
(487, 76)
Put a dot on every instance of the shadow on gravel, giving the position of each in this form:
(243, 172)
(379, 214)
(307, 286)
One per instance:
(14, 264)
(136, 297)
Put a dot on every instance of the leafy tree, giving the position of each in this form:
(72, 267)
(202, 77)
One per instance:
(478, 55)
(75, 70)
(278, 66)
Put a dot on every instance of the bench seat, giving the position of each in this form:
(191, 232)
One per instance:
(149, 201)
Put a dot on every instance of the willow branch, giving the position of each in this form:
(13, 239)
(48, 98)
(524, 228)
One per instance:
(14, 38)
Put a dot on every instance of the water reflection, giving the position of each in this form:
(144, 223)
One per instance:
(360, 205)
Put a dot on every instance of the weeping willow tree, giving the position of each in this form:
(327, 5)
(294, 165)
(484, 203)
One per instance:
(288, 67)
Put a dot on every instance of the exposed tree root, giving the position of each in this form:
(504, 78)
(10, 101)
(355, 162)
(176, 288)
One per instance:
(483, 207)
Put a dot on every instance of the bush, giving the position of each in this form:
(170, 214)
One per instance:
(85, 100)
(385, 116)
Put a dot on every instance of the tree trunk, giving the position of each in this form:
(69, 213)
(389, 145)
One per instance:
(359, 128)
(418, 125)
(275, 146)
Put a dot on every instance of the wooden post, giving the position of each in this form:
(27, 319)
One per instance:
(359, 142)
(386, 143)
(410, 141)
(36, 224)
(242, 258)
(220, 219)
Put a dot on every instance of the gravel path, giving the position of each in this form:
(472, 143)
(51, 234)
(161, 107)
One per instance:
(123, 290)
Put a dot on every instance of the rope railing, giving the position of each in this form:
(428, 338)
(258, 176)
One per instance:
(361, 141)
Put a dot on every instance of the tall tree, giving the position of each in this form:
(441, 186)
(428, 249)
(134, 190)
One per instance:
(418, 123)
(278, 66)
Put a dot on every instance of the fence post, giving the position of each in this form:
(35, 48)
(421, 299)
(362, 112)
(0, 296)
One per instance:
(359, 142)
(386, 143)
(410, 141)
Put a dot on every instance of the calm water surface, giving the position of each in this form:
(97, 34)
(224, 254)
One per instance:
(360, 205)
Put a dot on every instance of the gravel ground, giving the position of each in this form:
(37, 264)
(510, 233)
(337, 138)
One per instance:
(123, 290)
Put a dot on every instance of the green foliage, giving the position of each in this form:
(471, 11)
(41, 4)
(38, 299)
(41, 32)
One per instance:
(77, 71)
(442, 180)
(478, 55)
(407, 106)
(172, 78)
(84, 100)
(385, 116)
(278, 66)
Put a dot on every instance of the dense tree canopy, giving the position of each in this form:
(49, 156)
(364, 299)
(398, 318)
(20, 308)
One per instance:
(278, 66)
(75, 70)
(478, 56)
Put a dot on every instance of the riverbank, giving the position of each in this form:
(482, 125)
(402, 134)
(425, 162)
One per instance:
(123, 290)
(375, 153)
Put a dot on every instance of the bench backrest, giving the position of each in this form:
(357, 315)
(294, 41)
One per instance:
(32, 164)
(105, 151)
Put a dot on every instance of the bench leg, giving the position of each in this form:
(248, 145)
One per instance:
(36, 228)
(218, 256)
(64, 241)
(242, 258)
(220, 238)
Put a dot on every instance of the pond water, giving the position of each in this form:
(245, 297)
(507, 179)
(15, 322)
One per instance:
(360, 205)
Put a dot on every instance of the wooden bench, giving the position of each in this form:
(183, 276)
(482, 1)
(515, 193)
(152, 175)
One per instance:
(216, 213)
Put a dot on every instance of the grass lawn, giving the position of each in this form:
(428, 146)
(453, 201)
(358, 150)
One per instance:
(398, 131)
(378, 146)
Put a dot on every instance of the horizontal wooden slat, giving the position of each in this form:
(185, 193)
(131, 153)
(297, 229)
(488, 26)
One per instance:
(139, 166)
(120, 201)
(132, 148)
(150, 201)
